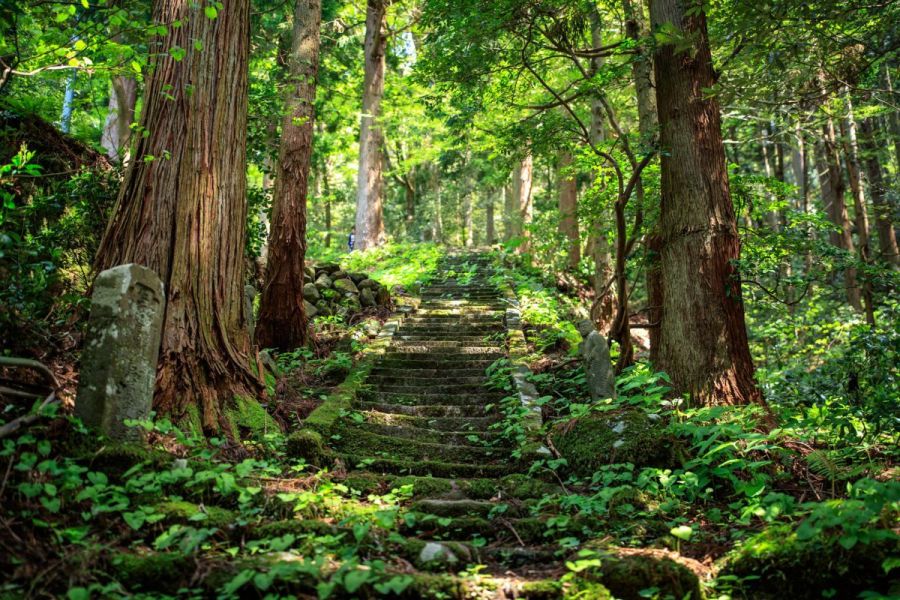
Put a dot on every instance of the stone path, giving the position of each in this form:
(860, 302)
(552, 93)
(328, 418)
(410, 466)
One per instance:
(427, 414)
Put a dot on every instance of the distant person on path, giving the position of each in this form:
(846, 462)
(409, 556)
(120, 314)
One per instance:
(351, 239)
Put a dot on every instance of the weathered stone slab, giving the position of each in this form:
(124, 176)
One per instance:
(598, 367)
(118, 364)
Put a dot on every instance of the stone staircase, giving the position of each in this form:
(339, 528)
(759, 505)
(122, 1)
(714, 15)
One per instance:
(427, 416)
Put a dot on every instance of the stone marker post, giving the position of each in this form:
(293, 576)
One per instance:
(598, 367)
(118, 363)
(249, 298)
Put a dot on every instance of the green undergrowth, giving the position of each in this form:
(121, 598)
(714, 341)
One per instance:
(407, 264)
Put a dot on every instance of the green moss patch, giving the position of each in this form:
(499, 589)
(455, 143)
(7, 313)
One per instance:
(249, 419)
(777, 564)
(627, 436)
(210, 516)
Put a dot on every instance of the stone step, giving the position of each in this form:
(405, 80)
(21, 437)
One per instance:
(435, 436)
(412, 335)
(400, 342)
(449, 328)
(434, 468)
(359, 442)
(530, 530)
(425, 382)
(420, 372)
(457, 313)
(480, 398)
(412, 352)
(455, 424)
(466, 411)
(429, 361)
(437, 389)
(454, 319)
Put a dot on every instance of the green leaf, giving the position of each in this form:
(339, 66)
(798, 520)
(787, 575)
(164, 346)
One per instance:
(134, 519)
(682, 532)
(211, 12)
(354, 580)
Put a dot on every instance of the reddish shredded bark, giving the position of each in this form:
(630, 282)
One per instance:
(183, 204)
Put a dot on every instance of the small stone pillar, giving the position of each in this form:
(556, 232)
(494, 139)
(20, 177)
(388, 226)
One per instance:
(118, 363)
(249, 315)
(598, 368)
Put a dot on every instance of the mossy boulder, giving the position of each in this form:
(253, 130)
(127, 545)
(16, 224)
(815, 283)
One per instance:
(598, 439)
(157, 571)
(308, 445)
(629, 573)
(777, 564)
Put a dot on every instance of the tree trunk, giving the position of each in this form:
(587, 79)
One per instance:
(489, 218)
(568, 209)
(832, 190)
(861, 217)
(282, 319)
(509, 213)
(703, 338)
(521, 203)
(369, 219)
(65, 117)
(884, 212)
(798, 166)
(468, 221)
(642, 71)
(117, 128)
(409, 191)
(438, 209)
(182, 208)
(597, 246)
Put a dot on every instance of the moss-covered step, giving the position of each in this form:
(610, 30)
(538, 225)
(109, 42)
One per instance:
(495, 338)
(464, 354)
(436, 387)
(430, 362)
(435, 468)
(435, 436)
(447, 397)
(424, 410)
(465, 507)
(529, 530)
(357, 441)
(418, 373)
(461, 424)
(411, 378)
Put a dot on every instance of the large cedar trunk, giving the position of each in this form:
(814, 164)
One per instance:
(702, 338)
(183, 205)
(884, 222)
(117, 127)
(568, 209)
(282, 318)
(369, 181)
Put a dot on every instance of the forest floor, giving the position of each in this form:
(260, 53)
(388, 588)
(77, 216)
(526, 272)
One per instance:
(423, 475)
